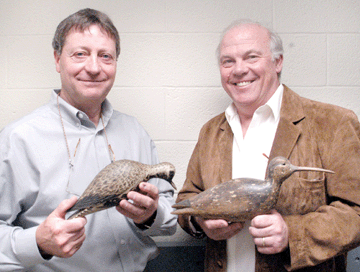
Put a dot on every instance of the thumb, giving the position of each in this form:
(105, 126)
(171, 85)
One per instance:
(66, 204)
(273, 211)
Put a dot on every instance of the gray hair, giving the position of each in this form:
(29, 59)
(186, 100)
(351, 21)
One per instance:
(276, 46)
(81, 21)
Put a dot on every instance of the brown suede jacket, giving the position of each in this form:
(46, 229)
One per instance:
(322, 211)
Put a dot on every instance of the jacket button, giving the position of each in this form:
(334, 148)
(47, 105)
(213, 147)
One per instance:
(219, 263)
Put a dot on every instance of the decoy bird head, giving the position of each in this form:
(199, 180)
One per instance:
(166, 171)
(280, 169)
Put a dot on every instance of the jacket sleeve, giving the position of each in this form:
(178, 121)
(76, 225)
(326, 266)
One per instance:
(192, 186)
(334, 228)
(203, 172)
(209, 165)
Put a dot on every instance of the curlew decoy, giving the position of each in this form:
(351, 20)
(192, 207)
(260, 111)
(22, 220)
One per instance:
(113, 183)
(241, 199)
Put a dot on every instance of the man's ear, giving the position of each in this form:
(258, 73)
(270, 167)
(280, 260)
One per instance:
(279, 64)
(57, 61)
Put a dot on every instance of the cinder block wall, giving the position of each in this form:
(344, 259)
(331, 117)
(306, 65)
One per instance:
(167, 72)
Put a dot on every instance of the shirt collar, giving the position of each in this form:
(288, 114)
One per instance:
(274, 104)
(75, 116)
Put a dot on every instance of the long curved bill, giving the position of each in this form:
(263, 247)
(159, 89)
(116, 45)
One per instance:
(300, 168)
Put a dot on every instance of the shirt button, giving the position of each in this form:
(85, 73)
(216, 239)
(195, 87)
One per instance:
(122, 241)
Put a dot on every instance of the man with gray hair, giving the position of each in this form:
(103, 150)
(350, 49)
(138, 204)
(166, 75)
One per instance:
(316, 219)
(53, 154)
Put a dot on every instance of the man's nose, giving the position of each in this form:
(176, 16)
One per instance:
(93, 65)
(240, 68)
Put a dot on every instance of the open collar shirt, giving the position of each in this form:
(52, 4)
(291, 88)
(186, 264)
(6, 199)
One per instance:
(249, 161)
(35, 177)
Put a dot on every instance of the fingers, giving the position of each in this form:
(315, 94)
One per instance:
(149, 189)
(270, 233)
(219, 229)
(59, 237)
(212, 223)
(148, 196)
(141, 205)
(265, 220)
(61, 210)
(66, 204)
(130, 210)
(72, 245)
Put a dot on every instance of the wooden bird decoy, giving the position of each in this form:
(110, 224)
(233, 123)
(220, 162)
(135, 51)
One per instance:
(112, 184)
(241, 199)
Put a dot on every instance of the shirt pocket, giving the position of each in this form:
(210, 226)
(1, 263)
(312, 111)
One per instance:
(301, 196)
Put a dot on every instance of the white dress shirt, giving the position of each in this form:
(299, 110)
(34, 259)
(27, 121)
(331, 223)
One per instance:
(248, 161)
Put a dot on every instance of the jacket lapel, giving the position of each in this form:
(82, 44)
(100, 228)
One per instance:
(287, 134)
(225, 144)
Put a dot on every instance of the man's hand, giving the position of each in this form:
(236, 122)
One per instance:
(142, 205)
(219, 229)
(59, 237)
(270, 233)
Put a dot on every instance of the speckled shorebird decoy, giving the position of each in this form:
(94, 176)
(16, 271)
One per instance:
(241, 199)
(113, 183)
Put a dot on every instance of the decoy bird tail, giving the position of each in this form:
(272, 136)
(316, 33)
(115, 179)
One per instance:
(183, 207)
(182, 204)
(77, 214)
